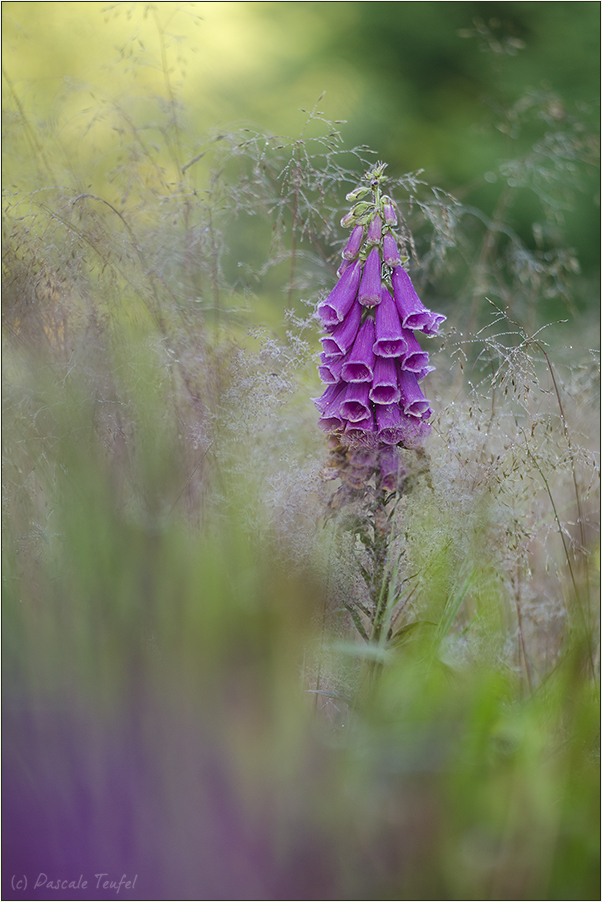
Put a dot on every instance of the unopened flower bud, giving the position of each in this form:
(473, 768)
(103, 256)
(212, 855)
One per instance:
(389, 211)
(370, 287)
(354, 214)
(357, 193)
(353, 245)
(390, 250)
(374, 231)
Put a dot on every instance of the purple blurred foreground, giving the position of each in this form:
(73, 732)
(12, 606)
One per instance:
(152, 801)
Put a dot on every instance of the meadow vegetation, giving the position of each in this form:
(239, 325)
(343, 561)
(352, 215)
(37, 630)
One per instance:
(195, 690)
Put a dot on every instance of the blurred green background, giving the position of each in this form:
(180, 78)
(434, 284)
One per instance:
(423, 84)
(167, 574)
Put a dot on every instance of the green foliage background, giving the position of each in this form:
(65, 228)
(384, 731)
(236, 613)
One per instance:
(422, 84)
(184, 693)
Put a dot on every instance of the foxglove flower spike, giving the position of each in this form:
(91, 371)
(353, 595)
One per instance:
(371, 361)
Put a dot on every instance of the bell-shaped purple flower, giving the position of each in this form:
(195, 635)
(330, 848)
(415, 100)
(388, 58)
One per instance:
(415, 359)
(420, 374)
(337, 305)
(355, 406)
(331, 423)
(329, 406)
(370, 286)
(359, 364)
(329, 397)
(415, 432)
(362, 434)
(413, 313)
(355, 242)
(391, 255)
(330, 369)
(395, 427)
(390, 337)
(389, 421)
(340, 340)
(412, 400)
(385, 385)
(374, 231)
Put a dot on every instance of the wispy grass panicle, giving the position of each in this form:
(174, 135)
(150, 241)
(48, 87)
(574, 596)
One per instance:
(236, 664)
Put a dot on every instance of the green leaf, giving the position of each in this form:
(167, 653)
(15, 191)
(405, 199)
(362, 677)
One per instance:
(405, 632)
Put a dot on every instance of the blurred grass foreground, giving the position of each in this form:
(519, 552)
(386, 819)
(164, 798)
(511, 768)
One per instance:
(189, 706)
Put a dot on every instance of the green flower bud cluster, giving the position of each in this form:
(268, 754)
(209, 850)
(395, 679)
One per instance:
(379, 213)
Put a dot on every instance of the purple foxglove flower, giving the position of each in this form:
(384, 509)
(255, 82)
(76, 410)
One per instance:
(385, 387)
(424, 372)
(339, 341)
(331, 397)
(415, 359)
(415, 432)
(370, 286)
(413, 313)
(388, 462)
(394, 427)
(355, 406)
(329, 405)
(337, 305)
(374, 231)
(389, 212)
(330, 370)
(355, 242)
(389, 421)
(391, 254)
(331, 423)
(433, 328)
(390, 337)
(359, 365)
(362, 433)
(343, 268)
(371, 361)
(412, 400)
